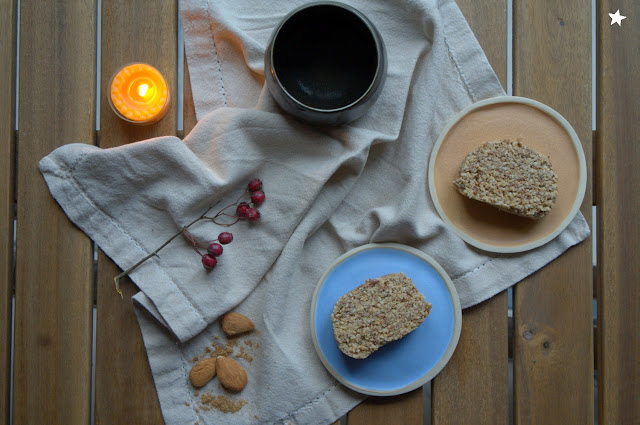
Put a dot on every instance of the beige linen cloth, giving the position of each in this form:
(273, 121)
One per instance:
(328, 190)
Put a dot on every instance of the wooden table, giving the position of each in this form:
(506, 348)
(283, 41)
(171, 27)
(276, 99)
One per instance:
(54, 296)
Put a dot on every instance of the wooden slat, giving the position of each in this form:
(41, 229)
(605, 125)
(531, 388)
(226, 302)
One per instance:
(142, 32)
(618, 202)
(553, 342)
(125, 392)
(473, 387)
(54, 285)
(404, 409)
(7, 119)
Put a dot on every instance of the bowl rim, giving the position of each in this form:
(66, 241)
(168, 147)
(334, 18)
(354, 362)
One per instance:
(380, 50)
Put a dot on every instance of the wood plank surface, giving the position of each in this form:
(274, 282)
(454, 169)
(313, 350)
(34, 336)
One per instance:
(553, 342)
(54, 265)
(7, 119)
(131, 32)
(618, 203)
(473, 386)
(404, 409)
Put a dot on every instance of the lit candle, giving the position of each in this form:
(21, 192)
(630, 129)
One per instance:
(139, 94)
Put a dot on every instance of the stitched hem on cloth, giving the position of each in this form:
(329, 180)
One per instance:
(190, 396)
(472, 271)
(309, 404)
(68, 192)
(129, 236)
(452, 57)
(215, 53)
(466, 54)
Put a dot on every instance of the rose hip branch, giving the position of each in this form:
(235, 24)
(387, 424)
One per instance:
(244, 211)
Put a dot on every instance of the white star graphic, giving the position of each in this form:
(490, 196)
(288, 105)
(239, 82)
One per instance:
(616, 18)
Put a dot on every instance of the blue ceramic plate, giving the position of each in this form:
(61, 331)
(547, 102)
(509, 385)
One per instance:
(407, 363)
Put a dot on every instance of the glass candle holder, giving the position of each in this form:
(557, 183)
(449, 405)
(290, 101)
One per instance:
(139, 94)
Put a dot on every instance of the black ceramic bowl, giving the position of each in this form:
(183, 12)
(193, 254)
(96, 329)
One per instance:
(325, 63)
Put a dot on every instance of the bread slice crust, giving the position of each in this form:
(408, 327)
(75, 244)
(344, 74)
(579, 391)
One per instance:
(377, 312)
(510, 176)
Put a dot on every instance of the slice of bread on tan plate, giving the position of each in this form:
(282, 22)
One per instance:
(510, 176)
(377, 312)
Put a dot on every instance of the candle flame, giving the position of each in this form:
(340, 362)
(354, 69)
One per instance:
(142, 89)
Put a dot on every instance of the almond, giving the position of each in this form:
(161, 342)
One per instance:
(236, 323)
(231, 375)
(202, 372)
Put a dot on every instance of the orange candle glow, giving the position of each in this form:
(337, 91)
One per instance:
(138, 93)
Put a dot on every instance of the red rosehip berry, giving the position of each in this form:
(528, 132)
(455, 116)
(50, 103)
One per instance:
(257, 197)
(214, 249)
(225, 237)
(255, 184)
(209, 261)
(253, 214)
(241, 211)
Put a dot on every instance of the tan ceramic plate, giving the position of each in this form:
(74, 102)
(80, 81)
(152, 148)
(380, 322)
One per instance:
(507, 117)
